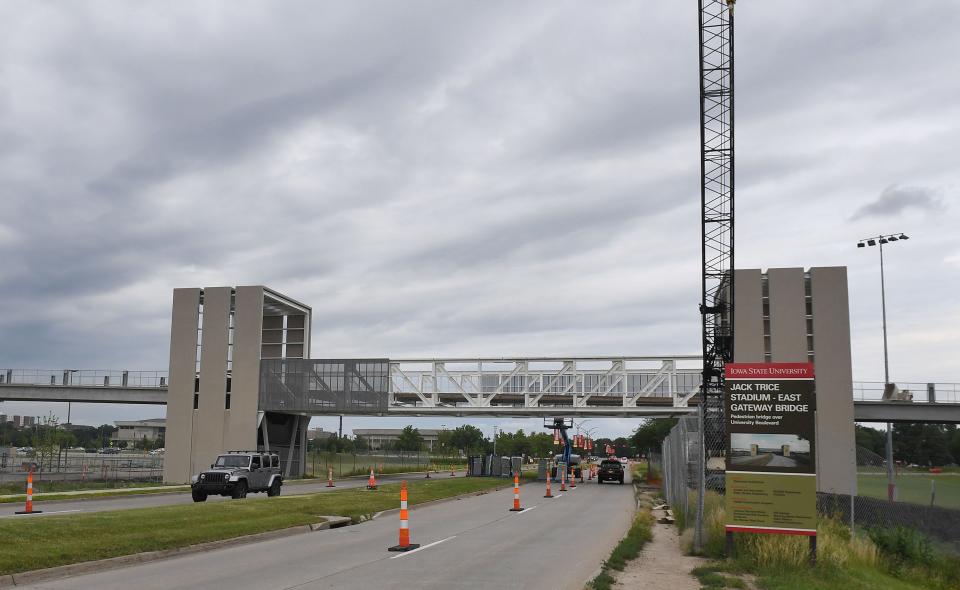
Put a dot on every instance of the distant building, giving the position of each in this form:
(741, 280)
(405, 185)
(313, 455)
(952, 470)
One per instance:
(3, 419)
(137, 430)
(386, 438)
(315, 433)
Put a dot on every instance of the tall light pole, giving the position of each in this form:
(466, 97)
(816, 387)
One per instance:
(880, 241)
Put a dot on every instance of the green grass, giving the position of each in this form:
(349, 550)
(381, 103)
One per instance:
(913, 488)
(640, 533)
(69, 486)
(38, 499)
(898, 559)
(50, 541)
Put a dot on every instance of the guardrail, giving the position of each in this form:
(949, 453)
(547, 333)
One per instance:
(941, 393)
(84, 378)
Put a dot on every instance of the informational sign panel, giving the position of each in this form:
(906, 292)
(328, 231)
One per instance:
(771, 477)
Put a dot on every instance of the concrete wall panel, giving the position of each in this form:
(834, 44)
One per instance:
(208, 430)
(836, 465)
(788, 325)
(244, 399)
(183, 350)
(748, 317)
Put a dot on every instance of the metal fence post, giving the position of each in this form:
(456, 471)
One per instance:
(701, 481)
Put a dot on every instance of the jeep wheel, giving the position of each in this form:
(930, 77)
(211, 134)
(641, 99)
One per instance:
(199, 495)
(274, 489)
(240, 490)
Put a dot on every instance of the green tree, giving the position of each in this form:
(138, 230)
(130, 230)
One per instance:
(922, 444)
(541, 445)
(467, 439)
(649, 435)
(360, 443)
(871, 439)
(410, 439)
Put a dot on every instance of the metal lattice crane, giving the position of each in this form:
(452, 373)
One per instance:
(717, 191)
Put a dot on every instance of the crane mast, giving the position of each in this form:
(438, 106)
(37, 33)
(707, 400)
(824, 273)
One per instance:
(717, 192)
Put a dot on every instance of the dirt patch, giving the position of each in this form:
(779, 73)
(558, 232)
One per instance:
(661, 564)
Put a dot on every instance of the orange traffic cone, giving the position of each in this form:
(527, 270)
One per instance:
(516, 493)
(452, 474)
(372, 483)
(428, 471)
(548, 494)
(29, 508)
(563, 481)
(330, 477)
(404, 544)
(573, 479)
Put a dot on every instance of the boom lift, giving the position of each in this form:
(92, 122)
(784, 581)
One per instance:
(560, 426)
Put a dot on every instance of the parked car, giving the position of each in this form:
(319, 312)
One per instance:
(610, 470)
(109, 451)
(237, 473)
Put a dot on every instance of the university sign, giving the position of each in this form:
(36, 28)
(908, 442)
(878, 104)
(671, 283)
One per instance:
(771, 478)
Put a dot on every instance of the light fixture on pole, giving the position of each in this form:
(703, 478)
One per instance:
(881, 240)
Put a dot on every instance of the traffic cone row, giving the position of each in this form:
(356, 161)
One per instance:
(29, 508)
(372, 483)
(404, 544)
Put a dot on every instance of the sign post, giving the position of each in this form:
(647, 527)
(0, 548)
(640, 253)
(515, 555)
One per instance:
(771, 476)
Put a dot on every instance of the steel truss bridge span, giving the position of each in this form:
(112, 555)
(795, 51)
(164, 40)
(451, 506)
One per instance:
(548, 386)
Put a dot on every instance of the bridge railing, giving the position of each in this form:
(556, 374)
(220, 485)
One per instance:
(84, 378)
(540, 382)
(942, 393)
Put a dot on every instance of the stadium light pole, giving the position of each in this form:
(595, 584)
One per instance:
(880, 241)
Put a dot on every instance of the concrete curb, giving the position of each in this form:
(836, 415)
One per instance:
(76, 569)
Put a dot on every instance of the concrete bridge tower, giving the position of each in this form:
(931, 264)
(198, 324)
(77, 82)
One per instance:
(218, 337)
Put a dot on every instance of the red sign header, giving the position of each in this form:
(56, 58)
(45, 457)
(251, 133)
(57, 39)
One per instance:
(773, 371)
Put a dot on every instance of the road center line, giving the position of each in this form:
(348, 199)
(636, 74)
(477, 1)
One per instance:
(422, 547)
(525, 510)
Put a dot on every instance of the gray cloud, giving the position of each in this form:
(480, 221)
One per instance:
(456, 178)
(896, 199)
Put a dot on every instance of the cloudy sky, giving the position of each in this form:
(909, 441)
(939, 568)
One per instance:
(463, 178)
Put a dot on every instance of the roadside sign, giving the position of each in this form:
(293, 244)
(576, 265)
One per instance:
(771, 476)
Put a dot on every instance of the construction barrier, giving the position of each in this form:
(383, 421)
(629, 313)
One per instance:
(548, 494)
(330, 477)
(516, 493)
(29, 508)
(372, 483)
(404, 544)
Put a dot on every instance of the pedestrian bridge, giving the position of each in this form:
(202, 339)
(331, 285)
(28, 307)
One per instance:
(493, 386)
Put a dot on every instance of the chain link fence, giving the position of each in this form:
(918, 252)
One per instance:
(320, 463)
(76, 466)
(927, 501)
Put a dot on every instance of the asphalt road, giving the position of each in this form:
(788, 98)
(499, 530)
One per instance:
(7, 510)
(472, 543)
